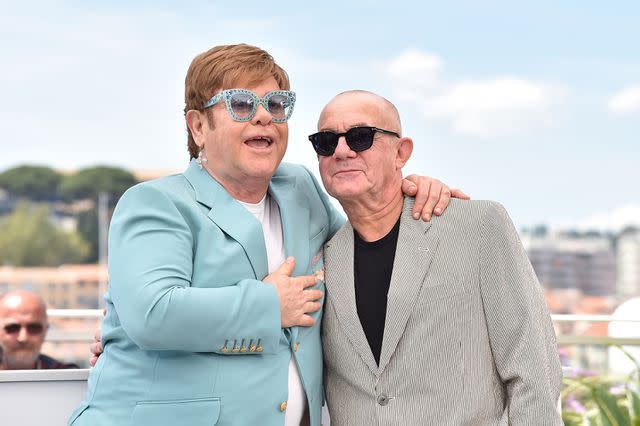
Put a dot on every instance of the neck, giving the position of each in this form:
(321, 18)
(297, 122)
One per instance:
(374, 218)
(249, 189)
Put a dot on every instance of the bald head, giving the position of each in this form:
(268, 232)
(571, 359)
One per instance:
(20, 300)
(23, 327)
(385, 112)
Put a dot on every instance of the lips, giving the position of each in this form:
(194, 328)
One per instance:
(259, 142)
(347, 171)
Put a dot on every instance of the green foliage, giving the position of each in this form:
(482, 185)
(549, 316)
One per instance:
(34, 182)
(88, 229)
(88, 183)
(603, 400)
(28, 238)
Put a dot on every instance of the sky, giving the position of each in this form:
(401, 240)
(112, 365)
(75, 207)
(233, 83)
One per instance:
(533, 104)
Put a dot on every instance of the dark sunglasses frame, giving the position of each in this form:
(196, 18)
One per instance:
(358, 139)
(33, 328)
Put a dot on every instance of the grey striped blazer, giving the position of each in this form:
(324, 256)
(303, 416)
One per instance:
(468, 339)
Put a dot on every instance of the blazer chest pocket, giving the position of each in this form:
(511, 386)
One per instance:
(193, 412)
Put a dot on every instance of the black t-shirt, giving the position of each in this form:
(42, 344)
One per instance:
(373, 265)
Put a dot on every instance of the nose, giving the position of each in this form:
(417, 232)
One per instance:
(262, 117)
(22, 334)
(343, 150)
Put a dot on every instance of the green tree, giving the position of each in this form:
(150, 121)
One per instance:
(38, 183)
(88, 183)
(28, 238)
(88, 229)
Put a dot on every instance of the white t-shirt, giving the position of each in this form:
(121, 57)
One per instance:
(268, 214)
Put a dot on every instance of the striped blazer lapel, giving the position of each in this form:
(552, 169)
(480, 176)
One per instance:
(341, 294)
(414, 253)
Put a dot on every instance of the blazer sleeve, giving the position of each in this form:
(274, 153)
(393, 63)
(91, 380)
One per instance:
(150, 269)
(521, 333)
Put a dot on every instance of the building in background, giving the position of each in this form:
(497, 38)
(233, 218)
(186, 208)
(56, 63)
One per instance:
(628, 263)
(573, 261)
(62, 287)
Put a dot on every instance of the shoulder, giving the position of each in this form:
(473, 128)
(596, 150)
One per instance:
(158, 191)
(47, 363)
(471, 210)
(165, 186)
(471, 215)
(292, 170)
(302, 178)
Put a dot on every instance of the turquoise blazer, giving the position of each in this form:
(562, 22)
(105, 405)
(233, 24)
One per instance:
(192, 335)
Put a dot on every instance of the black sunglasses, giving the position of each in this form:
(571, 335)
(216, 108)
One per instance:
(33, 328)
(358, 139)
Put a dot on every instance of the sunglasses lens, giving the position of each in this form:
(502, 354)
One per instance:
(242, 104)
(34, 328)
(360, 138)
(279, 105)
(12, 328)
(324, 143)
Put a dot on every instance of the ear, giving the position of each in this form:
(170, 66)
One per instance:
(196, 122)
(405, 148)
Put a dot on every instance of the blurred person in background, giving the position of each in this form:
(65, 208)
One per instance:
(23, 328)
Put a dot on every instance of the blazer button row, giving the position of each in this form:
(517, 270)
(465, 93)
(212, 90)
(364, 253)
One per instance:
(242, 348)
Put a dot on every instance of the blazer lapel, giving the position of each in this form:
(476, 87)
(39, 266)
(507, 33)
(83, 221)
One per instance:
(231, 217)
(295, 228)
(295, 220)
(341, 292)
(414, 252)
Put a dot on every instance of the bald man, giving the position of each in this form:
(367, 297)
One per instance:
(23, 327)
(425, 323)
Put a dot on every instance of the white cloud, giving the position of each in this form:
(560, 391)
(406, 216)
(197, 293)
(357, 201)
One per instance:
(627, 215)
(489, 108)
(420, 68)
(479, 108)
(626, 101)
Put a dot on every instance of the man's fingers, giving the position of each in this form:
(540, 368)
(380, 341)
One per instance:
(96, 348)
(408, 187)
(306, 321)
(306, 280)
(457, 193)
(92, 361)
(421, 199)
(97, 335)
(312, 307)
(432, 199)
(313, 294)
(287, 266)
(445, 197)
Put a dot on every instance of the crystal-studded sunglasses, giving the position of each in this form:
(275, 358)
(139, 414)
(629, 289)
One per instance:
(358, 139)
(242, 104)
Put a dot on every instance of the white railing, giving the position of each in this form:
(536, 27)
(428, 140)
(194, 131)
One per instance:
(86, 335)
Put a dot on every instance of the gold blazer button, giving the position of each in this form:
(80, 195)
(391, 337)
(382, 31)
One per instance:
(283, 406)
